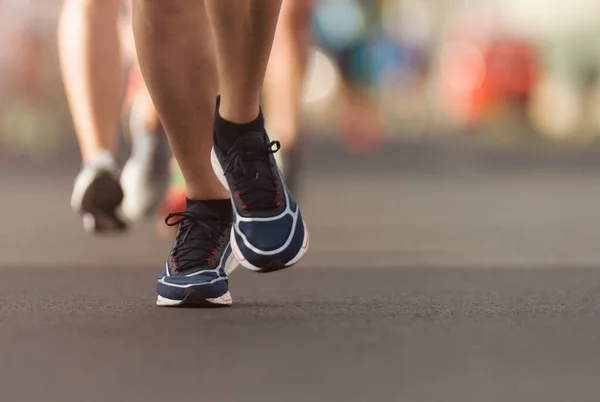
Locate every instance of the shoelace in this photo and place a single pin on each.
(255, 183)
(197, 240)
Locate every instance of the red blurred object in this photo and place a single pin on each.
(511, 69)
(501, 71)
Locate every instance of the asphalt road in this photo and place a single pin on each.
(468, 278)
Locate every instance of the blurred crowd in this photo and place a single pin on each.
(507, 70)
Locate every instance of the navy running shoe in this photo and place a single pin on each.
(200, 260)
(268, 232)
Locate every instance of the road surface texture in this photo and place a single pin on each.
(437, 273)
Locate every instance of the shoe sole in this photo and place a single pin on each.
(272, 266)
(99, 204)
(195, 299)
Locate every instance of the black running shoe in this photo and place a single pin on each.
(200, 260)
(97, 195)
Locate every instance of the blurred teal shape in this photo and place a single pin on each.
(339, 24)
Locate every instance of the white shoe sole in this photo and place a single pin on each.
(224, 300)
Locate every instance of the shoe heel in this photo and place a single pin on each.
(100, 204)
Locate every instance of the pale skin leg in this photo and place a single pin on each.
(92, 71)
(139, 91)
(286, 70)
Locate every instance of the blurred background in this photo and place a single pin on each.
(505, 71)
(430, 107)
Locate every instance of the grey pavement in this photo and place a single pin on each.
(436, 273)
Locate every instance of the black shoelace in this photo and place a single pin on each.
(197, 240)
(252, 170)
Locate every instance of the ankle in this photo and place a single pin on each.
(227, 131)
(100, 158)
(204, 192)
(238, 112)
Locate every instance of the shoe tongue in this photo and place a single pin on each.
(251, 141)
(211, 210)
(199, 208)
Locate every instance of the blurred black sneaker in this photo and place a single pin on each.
(97, 195)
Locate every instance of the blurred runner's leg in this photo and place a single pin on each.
(92, 72)
(91, 66)
(284, 82)
(145, 177)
